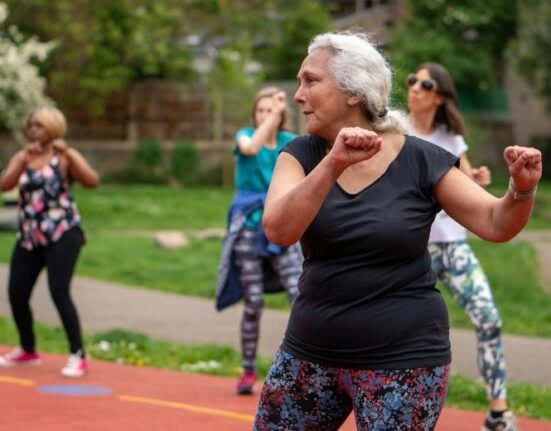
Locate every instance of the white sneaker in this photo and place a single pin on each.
(508, 422)
(19, 357)
(76, 367)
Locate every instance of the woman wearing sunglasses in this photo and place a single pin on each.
(433, 107)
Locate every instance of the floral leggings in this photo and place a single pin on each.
(458, 268)
(302, 395)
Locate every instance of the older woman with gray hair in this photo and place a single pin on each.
(369, 331)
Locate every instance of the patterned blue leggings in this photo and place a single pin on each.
(301, 395)
(458, 268)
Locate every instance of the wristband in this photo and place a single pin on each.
(521, 196)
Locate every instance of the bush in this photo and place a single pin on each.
(149, 153)
(184, 164)
(145, 168)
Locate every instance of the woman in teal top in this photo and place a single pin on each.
(252, 256)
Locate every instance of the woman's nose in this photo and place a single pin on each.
(298, 96)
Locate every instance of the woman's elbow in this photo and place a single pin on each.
(6, 186)
(91, 182)
(277, 235)
(499, 236)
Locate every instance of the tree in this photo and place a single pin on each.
(469, 37)
(21, 86)
(297, 22)
(105, 45)
(530, 52)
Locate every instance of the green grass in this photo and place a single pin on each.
(149, 207)
(132, 348)
(513, 271)
(119, 222)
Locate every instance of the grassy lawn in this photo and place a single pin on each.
(119, 222)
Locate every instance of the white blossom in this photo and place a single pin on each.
(21, 86)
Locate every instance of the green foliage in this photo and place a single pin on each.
(468, 38)
(298, 22)
(22, 87)
(145, 168)
(106, 45)
(184, 163)
(149, 153)
(530, 53)
(231, 87)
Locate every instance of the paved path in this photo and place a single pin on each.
(189, 320)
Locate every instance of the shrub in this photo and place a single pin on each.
(184, 164)
(146, 167)
(149, 153)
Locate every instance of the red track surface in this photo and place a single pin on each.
(145, 399)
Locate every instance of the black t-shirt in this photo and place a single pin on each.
(367, 292)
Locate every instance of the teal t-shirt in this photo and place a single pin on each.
(254, 173)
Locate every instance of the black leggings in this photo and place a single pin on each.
(60, 259)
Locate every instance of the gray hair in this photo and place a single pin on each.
(360, 70)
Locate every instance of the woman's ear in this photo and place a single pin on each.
(440, 99)
(353, 101)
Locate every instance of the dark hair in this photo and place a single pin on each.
(448, 113)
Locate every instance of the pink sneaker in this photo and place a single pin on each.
(19, 357)
(76, 366)
(245, 383)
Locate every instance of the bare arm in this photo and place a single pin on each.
(481, 175)
(491, 218)
(78, 167)
(10, 176)
(262, 134)
(293, 192)
(81, 170)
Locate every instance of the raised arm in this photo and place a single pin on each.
(491, 218)
(10, 176)
(265, 130)
(294, 198)
(481, 175)
(79, 168)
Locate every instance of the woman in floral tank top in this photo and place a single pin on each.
(49, 234)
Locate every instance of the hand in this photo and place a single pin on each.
(482, 176)
(279, 102)
(353, 145)
(525, 168)
(30, 150)
(60, 146)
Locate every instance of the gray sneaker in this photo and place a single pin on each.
(508, 422)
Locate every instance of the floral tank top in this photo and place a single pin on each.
(46, 206)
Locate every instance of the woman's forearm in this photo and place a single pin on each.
(81, 171)
(261, 136)
(10, 177)
(510, 215)
(288, 213)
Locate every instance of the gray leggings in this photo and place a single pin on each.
(288, 268)
(458, 268)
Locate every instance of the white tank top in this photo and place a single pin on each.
(444, 228)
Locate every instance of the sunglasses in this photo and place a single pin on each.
(426, 84)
